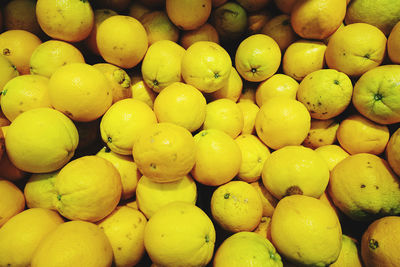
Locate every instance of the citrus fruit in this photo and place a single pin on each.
(12, 201)
(206, 32)
(230, 21)
(267, 199)
(41, 140)
(88, 188)
(280, 29)
(39, 190)
(249, 110)
(393, 46)
(164, 152)
(8, 71)
(159, 27)
(180, 234)
(188, 14)
(21, 15)
(392, 152)
(349, 254)
(332, 154)
(231, 90)
(322, 132)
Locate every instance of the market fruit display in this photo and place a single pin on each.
(190, 133)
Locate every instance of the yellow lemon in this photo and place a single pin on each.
(8, 71)
(206, 32)
(41, 140)
(188, 14)
(18, 46)
(151, 196)
(12, 201)
(370, 192)
(322, 132)
(392, 152)
(303, 57)
(39, 190)
(70, 20)
(161, 65)
(7, 168)
(119, 80)
(124, 228)
(281, 30)
(295, 170)
(376, 94)
(51, 55)
(87, 246)
(120, 48)
(127, 169)
(264, 228)
(80, 91)
(164, 152)
(180, 234)
(349, 254)
(225, 115)
(282, 121)
(257, 57)
(88, 188)
(306, 231)
(277, 85)
(326, 93)
(356, 48)
(131, 114)
(246, 249)
(393, 46)
(23, 93)
(249, 110)
(332, 154)
(181, 104)
(141, 91)
(357, 134)
(206, 65)
(218, 157)
(254, 154)
(21, 235)
(236, 206)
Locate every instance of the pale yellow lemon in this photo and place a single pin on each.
(124, 228)
(236, 206)
(257, 57)
(303, 57)
(295, 170)
(181, 104)
(164, 152)
(231, 90)
(151, 196)
(188, 14)
(364, 187)
(118, 48)
(326, 93)
(357, 134)
(180, 234)
(249, 110)
(218, 157)
(119, 80)
(349, 254)
(80, 91)
(206, 65)
(322, 132)
(282, 121)
(306, 231)
(161, 65)
(39, 190)
(12, 201)
(51, 55)
(127, 169)
(87, 246)
(134, 115)
(88, 188)
(22, 234)
(18, 46)
(159, 27)
(225, 115)
(356, 48)
(280, 29)
(254, 154)
(246, 249)
(332, 154)
(141, 91)
(41, 140)
(248, 92)
(70, 20)
(23, 93)
(277, 85)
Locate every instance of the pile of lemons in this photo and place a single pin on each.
(199, 133)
